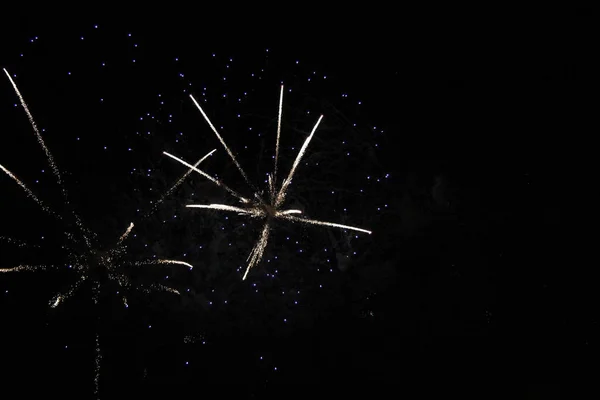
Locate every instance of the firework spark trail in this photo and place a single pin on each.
(30, 193)
(277, 144)
(97, 361)
(237, 164)
(96, 292)
(225, 207)
(158, 287)
(323, 223)
(176, 185)
(271, 187)
(288, 180)
(19, 268)
(215, 181)
(62, 296)
(35, 129)
(125, 235)
(286, 212)
(50, 158)
(259, 249)
(159, 262)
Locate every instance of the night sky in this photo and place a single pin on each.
(452, 138)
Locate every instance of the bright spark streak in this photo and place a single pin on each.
(286, 212)
(286, 183)
(125, 235)
(323, 223)
(271, 186)
(159, 262)
(278, 135)
(35, 129)
(176, 185)
(225, 207)
(30, 193)
(176, 262)
(239, 167)
(258, 250)
(61, 297)
(213, 180)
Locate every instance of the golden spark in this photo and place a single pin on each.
(259, 208)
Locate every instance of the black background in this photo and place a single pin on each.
(469, 285)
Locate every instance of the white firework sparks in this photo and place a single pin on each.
(259, 208)
(92, 264)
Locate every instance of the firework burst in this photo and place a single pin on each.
(257, 207)
(93, 264)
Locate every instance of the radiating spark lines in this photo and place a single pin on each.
(258, 208)
(92, 264)
(91, 260)
(85, 233)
